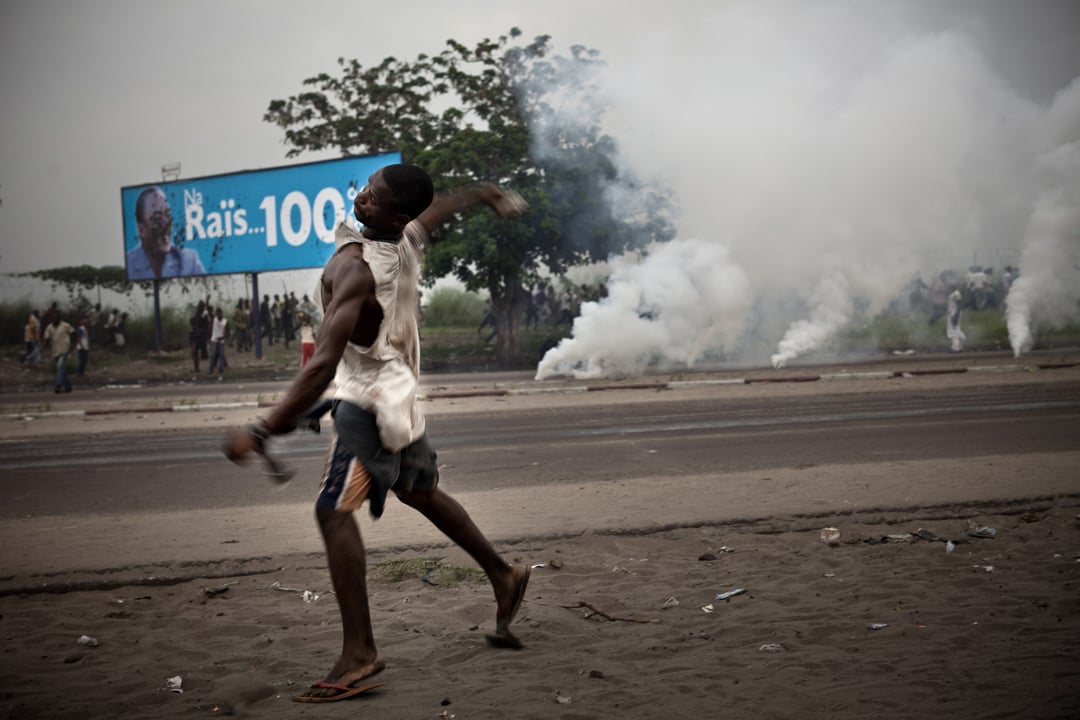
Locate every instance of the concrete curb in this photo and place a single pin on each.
(504, 392)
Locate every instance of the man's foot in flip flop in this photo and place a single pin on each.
(344, 685)
(337, 692)
(509, 598)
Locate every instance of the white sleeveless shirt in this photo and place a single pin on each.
(383, 377)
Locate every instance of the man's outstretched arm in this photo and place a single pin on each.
(507, 204)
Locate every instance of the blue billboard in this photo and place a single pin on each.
(254, 221)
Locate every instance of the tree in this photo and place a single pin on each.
(502, 112)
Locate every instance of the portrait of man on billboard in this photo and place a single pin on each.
(156, 257)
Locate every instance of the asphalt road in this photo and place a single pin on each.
(691, 434)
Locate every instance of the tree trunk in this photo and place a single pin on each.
(509, 308)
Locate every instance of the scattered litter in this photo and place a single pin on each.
(830, 575)
(707, 609)
(771, 647)
(983, 532)
(220, 590)
(597, 612)
(563, 699)
(309, 597)
(876, 626)
(538, 565)
(174, 684)
(596, 674)
(926, 535)
(88, 641)
(555, 564)
(425, 579)
(886, 539)
(730, 594)
(278, 586)
(950, 546)
(830, 536)
(987, 568)
(711, 555)
(669, 603)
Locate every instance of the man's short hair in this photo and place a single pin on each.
(140, 202)
(412, 188)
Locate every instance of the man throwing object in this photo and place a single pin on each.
(369, 346)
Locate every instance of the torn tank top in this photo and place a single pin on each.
(383, 377)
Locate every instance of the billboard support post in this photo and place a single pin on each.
(255, 315)
(157, 315)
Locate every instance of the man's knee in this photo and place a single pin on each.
(416, 498)
(330, 518)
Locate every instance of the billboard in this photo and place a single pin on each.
(254, 221)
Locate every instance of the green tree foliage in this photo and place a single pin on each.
(450, 308)
(507, 112)
(81, 278)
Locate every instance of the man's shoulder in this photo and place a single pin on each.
(416, 236)
(345, 266)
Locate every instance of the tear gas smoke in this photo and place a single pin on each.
(1049, 286)
(823, 156)
(684, 297)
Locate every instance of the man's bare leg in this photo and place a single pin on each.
(348, 571)
(509, 582)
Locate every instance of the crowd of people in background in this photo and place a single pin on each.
(49, 337)
(283, 318)
(546, 305)
(277, 320)
(951, 292)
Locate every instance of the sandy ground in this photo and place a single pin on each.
(621, 620)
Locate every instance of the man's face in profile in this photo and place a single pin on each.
(155, 226)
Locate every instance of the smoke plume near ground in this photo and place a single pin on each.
(835, 151)
(683, 298)
(1049, 288)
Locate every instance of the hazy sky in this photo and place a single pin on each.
(98, 94)
(821, 153)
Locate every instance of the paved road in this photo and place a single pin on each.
(687, 433)
(133, 495)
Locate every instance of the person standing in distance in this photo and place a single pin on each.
(58, 335)
(369, 346)
(156, 257)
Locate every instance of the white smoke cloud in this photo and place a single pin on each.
(684, 299)
(1048, 289)
(839, 149)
